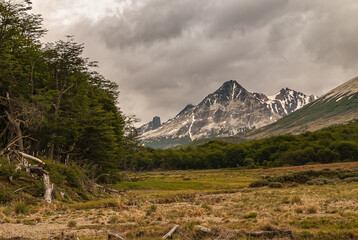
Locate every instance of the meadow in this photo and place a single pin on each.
(220, 200)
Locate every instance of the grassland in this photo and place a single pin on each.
(217, 199)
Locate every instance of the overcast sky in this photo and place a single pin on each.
(165, 54)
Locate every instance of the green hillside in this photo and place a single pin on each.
(332, 109)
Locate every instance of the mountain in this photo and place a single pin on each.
(228, 111)
(152, 125)
(285, 101)
(339, 106)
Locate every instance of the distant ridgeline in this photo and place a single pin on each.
(332, 144)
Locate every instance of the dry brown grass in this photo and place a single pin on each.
(311, 212)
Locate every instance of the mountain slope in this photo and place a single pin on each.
(286, 101)
(228, 111)
(336, 107)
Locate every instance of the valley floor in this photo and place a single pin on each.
(217, 199)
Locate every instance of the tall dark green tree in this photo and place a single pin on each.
(52, 102)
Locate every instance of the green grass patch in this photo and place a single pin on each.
(106, 203)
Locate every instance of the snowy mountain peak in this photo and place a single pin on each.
(285, 101)
(229, 87)
(186, 109)
(228, 111)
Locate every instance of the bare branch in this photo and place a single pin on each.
(32, 158)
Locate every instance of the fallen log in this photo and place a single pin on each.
(114, 236)
(268, 233)
(32, 158)
(170, 233)
(109, 190)
(203, 229)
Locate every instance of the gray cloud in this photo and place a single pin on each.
(158, 20)
(166, 54)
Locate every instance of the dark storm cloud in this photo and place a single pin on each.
(167, 53)
(159, 20)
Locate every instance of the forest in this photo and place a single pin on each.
(54, 104)
(332, 144)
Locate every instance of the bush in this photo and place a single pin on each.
(5, 195)
(151, 209)
(72, 224)
(21, 208)
(312, 209)
(275, 185)
(250, 215)
(37, 189)
(296, 200)
(321, 181)
(260, 183)
(8, 170)
(113, 220)
(351, 179)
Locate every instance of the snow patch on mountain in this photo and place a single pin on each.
(228, 111)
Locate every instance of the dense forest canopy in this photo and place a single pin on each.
(53, 104)
(333, 144)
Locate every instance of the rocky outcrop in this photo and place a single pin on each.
(152, 125)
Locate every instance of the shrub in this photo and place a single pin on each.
(8, 170)
(298, 210)
(286, 200)
(260, 183)
(21, 207)
(106, 203)
(318, 181)
(250, 215)
(312, 209)
(275, 185)
(72, 224)
(296, 200)
(37, 189)
(151, 209)
(206, 207)
(351, 179)
(5, 195)
(113, 220)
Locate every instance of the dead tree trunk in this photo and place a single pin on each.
(39, 172)
(14, 122)
(48, 187)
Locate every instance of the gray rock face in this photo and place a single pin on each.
(152, 125)
(229, 110)
(285, 101)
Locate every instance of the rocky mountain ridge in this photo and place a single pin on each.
(152, 125)
(339, 106)
(228, 111)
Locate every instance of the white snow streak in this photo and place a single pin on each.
(191, 125)
(233, 91)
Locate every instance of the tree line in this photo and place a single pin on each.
(333, 144)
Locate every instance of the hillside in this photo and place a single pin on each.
(339, 106)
